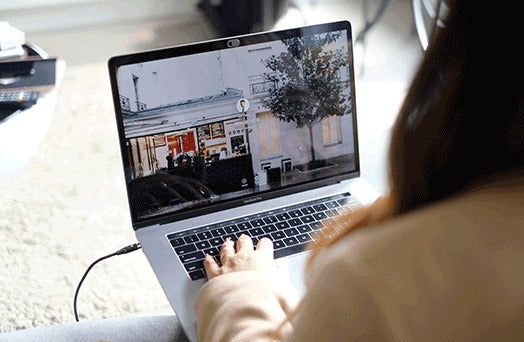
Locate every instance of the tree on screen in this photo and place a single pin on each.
(307, 86)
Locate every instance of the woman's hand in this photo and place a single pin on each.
(241, 257)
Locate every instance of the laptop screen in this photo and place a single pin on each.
(233, 121)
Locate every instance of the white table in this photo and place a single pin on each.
(22, 132)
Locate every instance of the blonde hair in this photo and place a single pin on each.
(349, 221)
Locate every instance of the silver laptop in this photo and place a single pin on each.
(253, 134)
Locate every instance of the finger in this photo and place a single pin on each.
(211, 267)
(282, 265)
(228, 248)
(244, 243)
(265, 246)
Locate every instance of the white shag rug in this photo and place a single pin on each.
(66, 208)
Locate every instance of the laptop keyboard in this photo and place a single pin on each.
(290, 228)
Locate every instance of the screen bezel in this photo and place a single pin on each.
(218, 44)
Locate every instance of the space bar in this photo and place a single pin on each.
(282, 252)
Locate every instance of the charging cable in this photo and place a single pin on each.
(125, 250)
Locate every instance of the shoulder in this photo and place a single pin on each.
(453, 259)
(473, 225)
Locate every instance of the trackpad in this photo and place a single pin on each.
(296, 264)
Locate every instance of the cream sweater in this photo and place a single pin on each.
(450, 271)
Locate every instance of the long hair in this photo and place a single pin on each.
(461, 121)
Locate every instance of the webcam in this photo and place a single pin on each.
(233, 43)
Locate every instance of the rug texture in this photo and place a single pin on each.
(66, 208)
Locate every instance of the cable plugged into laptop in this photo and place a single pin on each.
(121, 251)
(128, 249)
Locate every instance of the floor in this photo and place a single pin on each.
(67, 206)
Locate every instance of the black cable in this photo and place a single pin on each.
(125, 250)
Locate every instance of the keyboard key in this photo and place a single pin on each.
(282, 252)
(282, 225)
(218, 232)
(317, 225)
(319, 207)
(193, 266)
(307, 219)
(332, 204)
(191, 238)
(295, 213)
(256, 231)
(265, 236)
(202, 244)
(191, 257)
(233, 237)
(278, 235)
(216, 241)
(290, 241)
(343, 201)
(177, 242)
(246, 232)
(319, 216)
(185, 249)
(332, 212)
(278, 244)
(350, 207)
(212, 251)
(304, 228)
(291, 231)
(342, 209)
(307, 210)
(270, 219)
(303, 238)
(197, 275)
(244, 225)
(283, 216)
(204, 235)
(319, 233)
(294, 222)
(257, 223)
(270, 228)
(231, 229)
(172, 236)
(327, 222)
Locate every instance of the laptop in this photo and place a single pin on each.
(253, 134)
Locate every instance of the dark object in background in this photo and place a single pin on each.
(24, 78)
(274, 176)
(235, 17)
(35, 69)
(17, 99)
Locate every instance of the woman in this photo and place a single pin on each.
(441, 257)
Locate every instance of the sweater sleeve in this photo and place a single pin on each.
(245, 306)
(337, 307)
